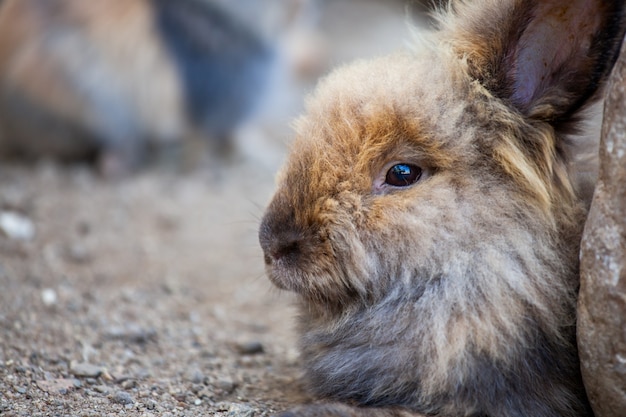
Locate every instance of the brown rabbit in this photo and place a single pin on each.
(429, 218)
(112, 79)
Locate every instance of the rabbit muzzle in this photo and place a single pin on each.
(305, 256)
(285, 246)
(281, 251)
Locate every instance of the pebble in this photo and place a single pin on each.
(85, 370)
(16, 226)
(102, 389)
(49, 297)
(195, 376)
(227, 385)
(132, 334)
(250, 348)
(240, 410)
(129, 383)
(151, 404)
(122, 397)
(205, 393)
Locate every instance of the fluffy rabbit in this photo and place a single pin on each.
(112, 77)
(429, 218)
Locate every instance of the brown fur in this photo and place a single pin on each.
(454, 296)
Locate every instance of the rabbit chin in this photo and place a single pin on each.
(282, 277)
(321, 286)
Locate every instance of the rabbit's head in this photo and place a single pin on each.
(420, 166)
(428, 202)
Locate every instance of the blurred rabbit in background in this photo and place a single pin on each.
(110, 80)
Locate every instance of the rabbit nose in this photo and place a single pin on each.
(279, 239)
(285, 248)
(281, 245)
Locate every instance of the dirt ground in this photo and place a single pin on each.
(146, 296)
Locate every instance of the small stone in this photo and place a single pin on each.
(20, 390)
(222, 406)
(106, 375)
(122, 397)
(16, 226)
(85, 370)
(129, 384)
(250, 348)
(151, 404)
(102, 389)
(132, 334)
(225, 384)
(143, 373)
(205, 393)
(240, 410)
(49, 297)
(195, 376)
(248, 361)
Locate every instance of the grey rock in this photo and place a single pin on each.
(602, 300)
(102, 389)
(122, 397)
(78, 253)
(250, 348)
(16, 226)
(240, 410)
(85, 370)
(129, 384)
(205, 393)
(195, 376)
(132, 333)
(151, 405)
(49, 297)
(225, 384)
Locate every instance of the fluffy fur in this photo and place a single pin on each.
(455, 295)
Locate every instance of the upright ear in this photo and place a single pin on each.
(547, 58)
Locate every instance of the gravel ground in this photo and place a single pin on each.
(146, 296)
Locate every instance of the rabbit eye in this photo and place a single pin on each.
(403, 175)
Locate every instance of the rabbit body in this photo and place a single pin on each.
(453, 293)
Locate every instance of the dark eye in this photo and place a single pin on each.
(403, 175)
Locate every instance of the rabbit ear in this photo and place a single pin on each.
(545, 57)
